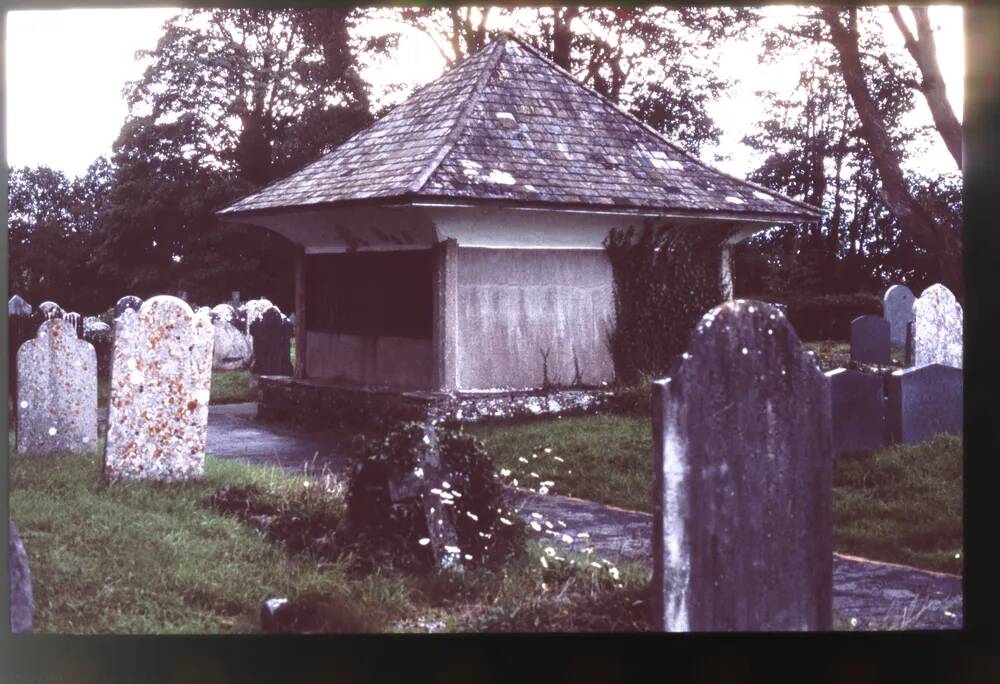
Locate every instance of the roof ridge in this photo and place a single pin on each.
(462, 120)
(649, 129)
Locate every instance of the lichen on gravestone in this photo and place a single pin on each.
(937, 328)
(160, 388)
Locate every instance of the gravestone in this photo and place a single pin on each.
(937, 328)
(897, 308)
(21, 599)
(870, 340)
(160, 385)
(743, 479)
(230, 349)
(857, 405)
(923, 402)
(56, 392)
(100, 334)
(76, 320)
(18, 307)
(51, 310)
(225, 312)
(908, 353)
(127, 302)
(272, 343)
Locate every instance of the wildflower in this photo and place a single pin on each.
(505, 472)
(468, 556)
(547, 483)
(419, 472)
(306, 484)
(545, 563)
(548, 524)
(522, 459)
(568, 539)
(596, 565)
(549, 551)
(614, 572)
(583, 535)
(536, 527)
(559, 459)
(472, 515)
(446, 485)
(505, 521)
(514, 482)
(424, 542)
(545, 587)
(548, 450)
(561, 523)
(854, 622)
(452, 549)
(534, 475)
(543, 490)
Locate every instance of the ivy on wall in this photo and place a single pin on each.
(665, 279)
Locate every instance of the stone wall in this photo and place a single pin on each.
(397, 362)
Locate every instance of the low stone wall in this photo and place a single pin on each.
(315, 404)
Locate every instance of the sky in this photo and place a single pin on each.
(66, 70)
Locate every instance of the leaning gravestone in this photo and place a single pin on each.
(56, 392)
(937, 328)
(21, 600)
(870, 340)
(857, 404)
(923, 402)
(160, 385)
(272, 344)
(127, 302)
(743, 479)
(897, 308)
(231, 350)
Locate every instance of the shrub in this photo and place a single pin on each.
(828, 317)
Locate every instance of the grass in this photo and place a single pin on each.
(901, 505)
(832, 354)
(146, 558)
(231, 387)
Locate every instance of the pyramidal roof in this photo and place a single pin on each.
(508, 125)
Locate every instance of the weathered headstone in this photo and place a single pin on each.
(857, 404)
(937, 328)
(909, 352)
(100, 334)
(18, 307)
(897, 308)
(743, 479)
(923, 402)
(76, 320)
(21, 599)
(127, 302)
(160, 385)
(51, 310)
(870, 340)
(272, 343)
(225, 312)
(231, 350)
(56, 392)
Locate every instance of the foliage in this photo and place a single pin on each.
(828, 317)
(665, 279)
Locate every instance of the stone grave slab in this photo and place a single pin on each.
(937, 328)
(857, 409)
(56, 392)
(870, 340)
(160, 387)
(743, 479)
(897, 308)
(922, 402)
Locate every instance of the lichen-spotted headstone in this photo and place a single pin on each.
(51, 310)
(743, 479)
(127, 302)
(231, 349)
(870, 340)
(272, 340)
(21, 599)
(56, 392)
(160, 383)
(937, 328)
(897, 308)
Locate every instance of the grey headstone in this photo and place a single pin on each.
(870, 340)
(923, 402)
(272, 344)
(76, 320)
(231, 350)
(94, 326)
(160, 386)
(937, 328)
(858, 410)
(743, 479)
(223, 312)
(21, 599)
(51, 310)
(897, 308)
(18, 307)
(127, 302)
(56, 392)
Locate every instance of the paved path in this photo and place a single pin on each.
(873, 593)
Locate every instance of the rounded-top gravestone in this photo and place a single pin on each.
(272, 339)
(224, 312)
(897, 308)
(160, 388)
(127, 302)
(18, 307)
(51, 310)
(937, 328)
(743, 479)
(870, 340)
(231, 349)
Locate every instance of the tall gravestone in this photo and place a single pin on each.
(923, 402)
(22, 324)
(743, 479)
(251, 312)
(21, 599)
(937, 328)
(56, 392)
(272, 344)
(857, 405)
(160, 385)
(231, 349)
(870, 340)
(897, 308)
(125, 303)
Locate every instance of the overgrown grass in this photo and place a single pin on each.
(832, 354)
(901, 505)
(231, 387)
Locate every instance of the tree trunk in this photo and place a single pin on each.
(913, 218)
(924, 52)
(562, 35)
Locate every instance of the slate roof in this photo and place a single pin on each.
(508, 125)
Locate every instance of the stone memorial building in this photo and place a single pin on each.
(457, 242)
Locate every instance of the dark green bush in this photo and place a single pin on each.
(828, 317)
